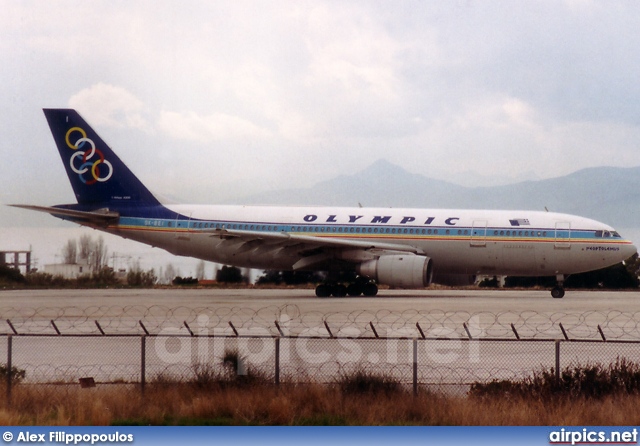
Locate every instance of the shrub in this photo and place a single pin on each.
(579, 381)
(140, 278)
(10, 275)
(17, 375)
(365, 381)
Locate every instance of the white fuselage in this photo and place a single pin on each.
(527, 243)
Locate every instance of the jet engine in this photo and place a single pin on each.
(402, 271)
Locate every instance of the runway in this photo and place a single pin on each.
(474, 300)
(492, 312)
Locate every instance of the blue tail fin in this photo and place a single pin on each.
(96, 174)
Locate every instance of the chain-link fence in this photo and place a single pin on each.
(137, 346)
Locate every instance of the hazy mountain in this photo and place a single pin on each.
(608, 194)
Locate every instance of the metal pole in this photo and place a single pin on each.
(277, 380)
(9, 367)
(558, 362)
(143, 362)
(415, 367)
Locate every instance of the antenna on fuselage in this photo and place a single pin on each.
(545, 208)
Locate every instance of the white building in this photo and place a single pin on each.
(67, 270)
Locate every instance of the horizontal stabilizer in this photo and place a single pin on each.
(95, 218)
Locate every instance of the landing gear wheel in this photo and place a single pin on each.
(354, 290)
(557, 292)
(339, 290)
(370, 289)
(323, 290)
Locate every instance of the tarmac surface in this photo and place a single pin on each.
(463, 335)
(472, 300)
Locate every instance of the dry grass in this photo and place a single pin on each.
(306, 404)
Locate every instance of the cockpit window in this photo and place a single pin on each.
(607, 234)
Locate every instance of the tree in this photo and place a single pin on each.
(297, 277)
(200, 270)
(170, 273)
(137, 277)
(70, 252)
(84, 243)
(100, 254)
(94, 253)
(229, 274)
(12, 275)
(632, 265)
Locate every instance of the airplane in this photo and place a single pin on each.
(398, 247)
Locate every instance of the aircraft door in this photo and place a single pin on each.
(182, 228)
(563, 235)
(479, 233)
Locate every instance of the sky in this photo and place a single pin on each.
(214, 100)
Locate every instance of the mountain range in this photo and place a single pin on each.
(607, 194)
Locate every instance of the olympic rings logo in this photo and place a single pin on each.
(87, 162)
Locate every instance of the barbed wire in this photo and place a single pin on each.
(290, 320)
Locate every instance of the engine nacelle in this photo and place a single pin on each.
(403, 271)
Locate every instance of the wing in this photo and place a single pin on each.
(99, 218)
(313, 251)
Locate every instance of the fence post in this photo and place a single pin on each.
(143, 362)
(277, 378)
(557, 362)
(415, 367)
(9, 367)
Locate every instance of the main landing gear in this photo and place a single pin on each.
(360, 287)
(557, 292)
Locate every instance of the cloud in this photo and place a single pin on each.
(215, 127)
(110, 106)
(306, 90)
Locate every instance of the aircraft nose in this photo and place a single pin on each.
(628, 250)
